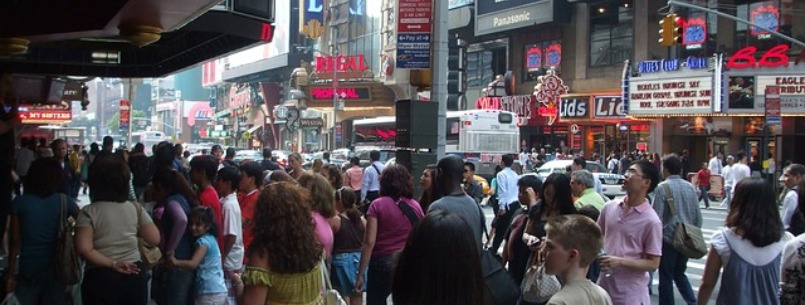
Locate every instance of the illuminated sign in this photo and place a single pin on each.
(522, 105)
(347, 66)
(359, 93)
(608, 107)
(670, 65)
(745, 58)
(574, 107)
(682, 95)
(45, 116)
(533, 56)
(267, 32)
(695, 31)
(125, 113)
(767, 16)
(548, 92)
(312, 21)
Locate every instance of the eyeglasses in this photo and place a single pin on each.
(631, 172)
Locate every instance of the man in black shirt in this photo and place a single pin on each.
(268, 163)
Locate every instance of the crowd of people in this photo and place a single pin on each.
(260, 233)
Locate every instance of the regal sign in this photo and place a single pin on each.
(346, 66)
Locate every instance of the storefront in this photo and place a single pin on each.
(594, 124)
(745, 101)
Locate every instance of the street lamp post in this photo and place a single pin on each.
(336, 97)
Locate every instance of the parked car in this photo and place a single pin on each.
(245, 156)
(611, 184)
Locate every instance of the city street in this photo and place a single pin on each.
(712, 221)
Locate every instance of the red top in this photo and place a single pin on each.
(209, 198)
(704, 177)
(248, 204)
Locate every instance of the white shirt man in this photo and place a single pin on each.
(740, 171)
(715, 164)
(729, 178)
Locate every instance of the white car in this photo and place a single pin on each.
(611, 184)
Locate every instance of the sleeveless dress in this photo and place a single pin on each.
(743, 283)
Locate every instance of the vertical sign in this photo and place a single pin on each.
(312, 21)
(773, 105)
(125, 114)
(414, 33)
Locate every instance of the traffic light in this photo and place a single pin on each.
(678, 30)
(457, 75)
(666, 30)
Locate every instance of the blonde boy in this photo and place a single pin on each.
(571, 244)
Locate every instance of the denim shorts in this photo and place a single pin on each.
(345, 272)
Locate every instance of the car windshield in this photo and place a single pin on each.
(596, 168)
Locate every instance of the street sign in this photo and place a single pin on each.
(773, 105)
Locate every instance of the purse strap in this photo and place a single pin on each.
(62, 213)
(409, 213)
(669, 199)
(325, 275)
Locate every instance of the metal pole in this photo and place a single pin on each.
(439, 68)
(131, 114)
(736, 19)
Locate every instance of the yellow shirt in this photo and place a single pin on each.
(287, 289)
(75, 162)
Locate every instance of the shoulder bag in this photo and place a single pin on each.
(688, 238)
(329, 295)
(408, 211)
(537, 286)
(150, 255)
(500, 284)
(68, 262)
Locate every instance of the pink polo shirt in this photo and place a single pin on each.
(633, 235)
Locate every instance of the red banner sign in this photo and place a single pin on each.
(415, 16)
(125, 113)
(745, 58)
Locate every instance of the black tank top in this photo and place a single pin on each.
(349, 238)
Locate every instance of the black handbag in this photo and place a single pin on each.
(500, 284)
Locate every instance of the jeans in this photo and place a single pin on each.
(174, 286)
(107, 286)
(703, 195)
(378, 285)
(41, 288)
(672, 270)
(728, 191)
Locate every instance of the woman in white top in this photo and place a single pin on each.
(749, 249)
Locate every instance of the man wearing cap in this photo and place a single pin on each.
(729, 178)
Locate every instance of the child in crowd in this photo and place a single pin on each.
(232, 252)
(571, 244)
(349, 229)
(206, 260)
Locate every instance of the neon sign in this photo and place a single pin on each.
(548, 92)
(534, 58)
(553, 55)
(745, 58)
(345, 93)
(669, 65)
(695, 31)
(766, 16)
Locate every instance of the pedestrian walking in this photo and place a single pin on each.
(703, 181)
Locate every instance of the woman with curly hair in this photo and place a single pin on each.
(322, 207)
(332, 173)
(284, 262)
(387, 229)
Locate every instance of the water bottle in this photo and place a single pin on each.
(606, 271)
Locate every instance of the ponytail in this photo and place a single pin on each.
(348, 200)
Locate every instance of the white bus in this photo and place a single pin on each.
(148, 138)
(483, 135)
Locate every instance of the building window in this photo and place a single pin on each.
(485, 61)
(611, 32)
